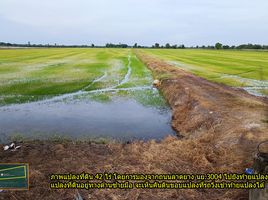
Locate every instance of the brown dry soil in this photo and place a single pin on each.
(220, 125)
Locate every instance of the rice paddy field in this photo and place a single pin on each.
(34, 74)
(245, 69)
(79, 93)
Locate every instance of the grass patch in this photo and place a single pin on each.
(102, 97)
(150, 98)
(17, 137)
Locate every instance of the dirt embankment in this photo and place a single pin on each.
(221, 127)
(228, 117)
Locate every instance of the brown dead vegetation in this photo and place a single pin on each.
(168, 156)
(221, 128)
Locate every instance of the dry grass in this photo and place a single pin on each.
(168, 156)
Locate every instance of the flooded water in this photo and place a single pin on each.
(130, 113)
(121, 118)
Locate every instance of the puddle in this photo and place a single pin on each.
(121, 118)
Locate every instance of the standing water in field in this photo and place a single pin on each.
(123, 119)
(124, 111)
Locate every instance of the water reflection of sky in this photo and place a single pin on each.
(121, 118)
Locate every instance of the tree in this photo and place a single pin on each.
(135, 45)
(182, 46)
(218, 45)
(167, 45)
(156, 45)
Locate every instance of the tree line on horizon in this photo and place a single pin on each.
(155, 46)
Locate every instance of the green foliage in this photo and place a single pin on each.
(218, 45)
(100, 97)
(167, 46)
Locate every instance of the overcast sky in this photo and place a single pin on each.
(190, 22)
